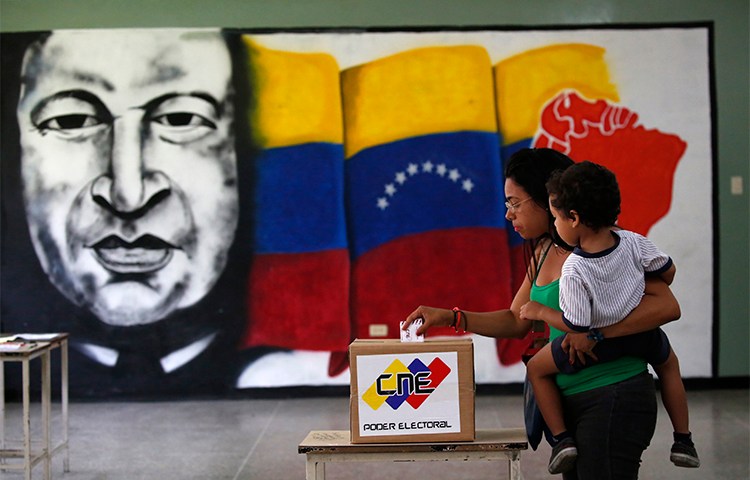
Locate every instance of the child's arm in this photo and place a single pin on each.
(537, 311)
(668, 275)
(651, 254)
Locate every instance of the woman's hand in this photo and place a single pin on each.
(432, 317)
(578, 346)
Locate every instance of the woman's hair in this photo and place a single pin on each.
(531, 168)
(589, 189)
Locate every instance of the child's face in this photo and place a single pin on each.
(564, 225)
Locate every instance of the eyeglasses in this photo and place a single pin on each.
(512, 207)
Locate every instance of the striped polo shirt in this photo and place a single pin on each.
(600, 289)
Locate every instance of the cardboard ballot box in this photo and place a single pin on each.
(411, 391)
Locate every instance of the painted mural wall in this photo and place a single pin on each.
(211, 211)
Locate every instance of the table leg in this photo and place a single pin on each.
(315, 470)
(2, 408)
(46, 411)
(64, 401)
(514, 466)
(26, 421)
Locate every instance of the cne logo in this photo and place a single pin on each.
(399, 384)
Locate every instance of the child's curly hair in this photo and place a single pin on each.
(589, 189)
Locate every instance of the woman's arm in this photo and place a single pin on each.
(497, 324)
(658, 307)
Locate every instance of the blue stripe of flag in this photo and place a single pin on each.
(299, 199)
(421, 184)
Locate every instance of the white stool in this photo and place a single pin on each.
(36, 346)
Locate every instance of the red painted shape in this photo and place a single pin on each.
(644, 160)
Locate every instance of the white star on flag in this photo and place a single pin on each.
(412, 170)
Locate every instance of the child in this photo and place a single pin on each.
(602, 281)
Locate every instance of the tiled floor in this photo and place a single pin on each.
(257, 439)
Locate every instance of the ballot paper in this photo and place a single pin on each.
(410, 334)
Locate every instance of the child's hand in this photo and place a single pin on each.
(532, 311)
(578, 346)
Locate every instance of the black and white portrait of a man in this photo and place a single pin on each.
(129, 183)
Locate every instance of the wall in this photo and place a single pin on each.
(731, 44)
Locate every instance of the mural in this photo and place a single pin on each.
(210, 211)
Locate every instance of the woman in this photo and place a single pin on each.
(610, 408)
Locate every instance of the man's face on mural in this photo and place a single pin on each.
(129, 167)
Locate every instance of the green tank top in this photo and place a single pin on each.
(594, 376)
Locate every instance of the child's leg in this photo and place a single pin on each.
(541, 371)
(673, 393)
(683, 453)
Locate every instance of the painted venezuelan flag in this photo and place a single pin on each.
(301, 262)
(424, 187)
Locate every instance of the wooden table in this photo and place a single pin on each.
(35, 346)
(325, 446)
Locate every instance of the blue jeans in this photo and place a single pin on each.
(612, 426)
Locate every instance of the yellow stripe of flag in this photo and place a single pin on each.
(418, 92)
(297, 97)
